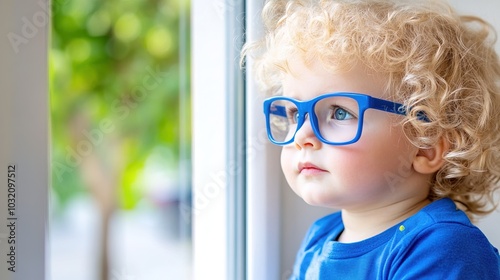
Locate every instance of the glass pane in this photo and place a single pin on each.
(120, 193)
(338, 118)
(283, 117)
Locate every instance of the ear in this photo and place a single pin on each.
(430, 160)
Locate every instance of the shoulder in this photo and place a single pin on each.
(328, 221)
(323, 228)
(319, 232)
(441, 241)
(441, 220)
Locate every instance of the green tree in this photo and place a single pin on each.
(114, 96)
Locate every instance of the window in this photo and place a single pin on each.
(120, 140)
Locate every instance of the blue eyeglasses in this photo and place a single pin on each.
(336, 118)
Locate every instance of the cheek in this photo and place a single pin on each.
(286, 162)
(351, 167)
(387, 151)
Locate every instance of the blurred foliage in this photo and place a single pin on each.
(113, 64)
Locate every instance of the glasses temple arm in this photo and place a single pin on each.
(278, 110)
(387, 106)
(396, 108)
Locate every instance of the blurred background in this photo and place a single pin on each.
(120, 107)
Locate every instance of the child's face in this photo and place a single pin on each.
(353, 176)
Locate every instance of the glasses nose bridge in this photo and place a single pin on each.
(306, 111)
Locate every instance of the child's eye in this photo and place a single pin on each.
(292, 114)
(339, 113)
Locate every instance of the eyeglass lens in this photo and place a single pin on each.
(337, 119)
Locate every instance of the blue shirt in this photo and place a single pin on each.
(438, 242)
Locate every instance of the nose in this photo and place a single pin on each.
(305, 137)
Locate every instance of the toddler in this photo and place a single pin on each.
(390, 112)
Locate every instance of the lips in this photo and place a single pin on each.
(309, 168)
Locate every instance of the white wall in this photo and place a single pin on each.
(488, 10)
(24, 136)
(297, 215)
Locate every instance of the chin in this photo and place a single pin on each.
(315, 201)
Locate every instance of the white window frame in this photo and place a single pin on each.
(217, 168)
(263, 174)
(235, 215)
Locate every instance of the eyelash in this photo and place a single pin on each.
(334, 108)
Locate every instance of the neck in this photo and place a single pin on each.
(363, 224)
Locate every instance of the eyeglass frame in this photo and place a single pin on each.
(307, 108)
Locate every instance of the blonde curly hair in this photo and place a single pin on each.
(438, 63)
